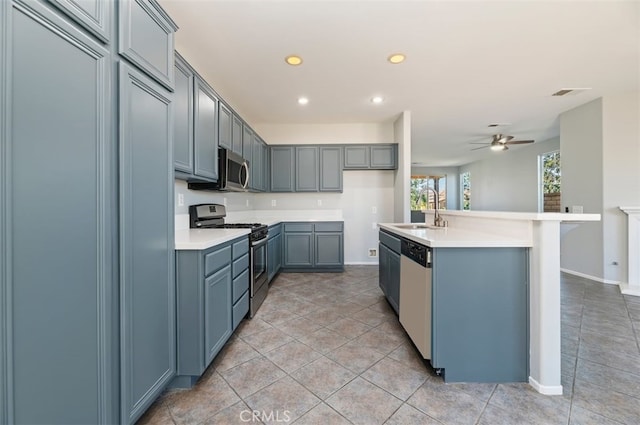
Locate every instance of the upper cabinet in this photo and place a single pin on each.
(183, 117)
(236, 135)
(371, 157)
(151, 45)
(205, 131)
(224, 127)
(282, 172)
(93, 15)
(330, 168)
(307, 169)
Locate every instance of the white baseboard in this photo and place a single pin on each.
(587, 276)
(627, 289)
(360, 263)
(545, 389)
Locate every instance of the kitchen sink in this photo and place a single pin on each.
(417, 226)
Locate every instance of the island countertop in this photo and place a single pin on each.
(451, 237)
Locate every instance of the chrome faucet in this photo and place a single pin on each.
(438, 221)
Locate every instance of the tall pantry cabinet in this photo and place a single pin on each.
(87, 319)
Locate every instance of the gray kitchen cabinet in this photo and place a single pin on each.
(247, 138)
(282, 168)
(480, 314)
(236, 135)
(313, 246)
(389, 268)
(257, 175)
(58, 285)
(212, 299)
(274, 251)
(306, 166)
(330, 169)
(205, 132)
(147, 38)
(147, 281)
(224, 127)
(264, 187)
(183, 117)
(371, 157)
(94, 15)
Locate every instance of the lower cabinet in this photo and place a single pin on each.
(313, 246)
(389, 269)
(212, 299)
(274, 251)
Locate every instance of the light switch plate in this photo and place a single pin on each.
(273, 202)
(374, 210)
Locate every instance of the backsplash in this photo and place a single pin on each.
(234, 201)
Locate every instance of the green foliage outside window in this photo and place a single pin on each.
(551, 172)
(466, 190)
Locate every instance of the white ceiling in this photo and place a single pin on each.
(469, 63)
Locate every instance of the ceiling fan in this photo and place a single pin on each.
(499, 142)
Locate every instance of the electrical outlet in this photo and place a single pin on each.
(181, 199)
(373, 252)
(374, 226)
(577, 209)
(247, 202)
(273, 202)
(319, 202)
(374, 210)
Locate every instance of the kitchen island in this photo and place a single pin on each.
(539, 233)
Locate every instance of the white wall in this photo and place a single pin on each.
(453, 182)
(581, 164)
(402, 185)
(237, 201)
(362, 190)
(508, 180)
(621, 178)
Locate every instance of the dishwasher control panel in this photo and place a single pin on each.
(416, 252)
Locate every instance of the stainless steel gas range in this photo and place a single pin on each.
(211, 216)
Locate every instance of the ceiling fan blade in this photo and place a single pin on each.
(479, 143)
(519, 142)
(481, 147)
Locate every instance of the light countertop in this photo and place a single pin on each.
(528, 216)
(197, 239)
(450, 237)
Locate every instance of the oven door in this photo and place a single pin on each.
(258, 265)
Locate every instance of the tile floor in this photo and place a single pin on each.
(327, 349)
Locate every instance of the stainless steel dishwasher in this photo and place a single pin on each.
(415, 294)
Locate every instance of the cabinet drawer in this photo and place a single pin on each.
(390, 241)
(240, 309)
(275, 230)
(240, 265)
(216, 260)
(240, 285)
(240, 248)
(329, 227)
(298, 227)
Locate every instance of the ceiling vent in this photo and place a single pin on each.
(564, 92)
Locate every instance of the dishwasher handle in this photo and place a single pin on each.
(416, 252)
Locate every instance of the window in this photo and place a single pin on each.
(426, 199)
(549, 196)
(465, 190)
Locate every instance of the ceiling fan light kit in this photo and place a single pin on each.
(499, 142)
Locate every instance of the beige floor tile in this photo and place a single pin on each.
(409, 355)
(299, 327)
(361, 402)
(322, 415)
(369, 317)
(394, 377)
(522, 399)
(610, 404)
(239, 413)
(355, 356)
(381, 341)
(235, 352)
(158, 414)
(252, 376)
(408, 415)
(324, 340)
(292, 356)
(267, 340)
(323, 316)
(283, 401)
(349, 328)
(251, 326)
(581, 416)
(323, 377)
(446, 404)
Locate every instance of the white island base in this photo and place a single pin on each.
(542, 231)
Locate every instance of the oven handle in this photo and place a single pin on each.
(258, 243)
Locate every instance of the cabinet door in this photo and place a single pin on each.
(265, 166)
(94, 15)
(384, 157)
(146, 38)
(306, 169)
(217, 312)
(236, 135)
(271, 258)
(282, 160)
(298, 249)
(383, 269)
(356, 156)
(247, 137)
(183, 117)
(57, 177)
(330, 169)
(393, 281)
(256, 156)
(328, 249)
(147, 285)
(278, 252)
(206, 132)
(224, 127)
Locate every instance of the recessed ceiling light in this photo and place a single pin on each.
(293, 60)
(396, 58)
(377, 100)
(303, 100)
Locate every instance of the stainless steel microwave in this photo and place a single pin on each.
(233, 174)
